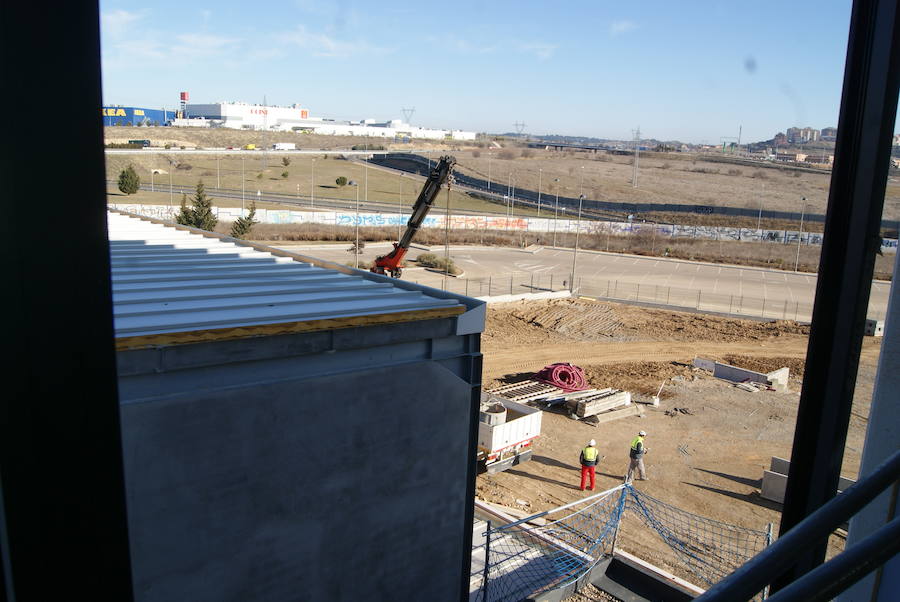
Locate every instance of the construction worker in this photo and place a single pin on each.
(589, 458)
(637, 458)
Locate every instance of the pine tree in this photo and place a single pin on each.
(184, 216)
(129, 180)
(242, 225)
(200, 214)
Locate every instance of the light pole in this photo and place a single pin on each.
(258, 195)
(575, 250)
(540, 180)
(759, 218)
(512, 202)
(581, 191)
(152, 171)
(170, 185)
(356, 248)
(490, 156)
(218, 183)
(400, 205)
(242, 185)
(556, 211)
(800, 236)
(312, 187)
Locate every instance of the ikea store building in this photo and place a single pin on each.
(136, 116)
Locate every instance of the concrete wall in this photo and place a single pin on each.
(774, 481)
(323, 466)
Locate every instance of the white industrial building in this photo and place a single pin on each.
(245, 116)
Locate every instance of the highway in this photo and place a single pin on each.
(746, 291)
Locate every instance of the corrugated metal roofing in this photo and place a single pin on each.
(167, 280)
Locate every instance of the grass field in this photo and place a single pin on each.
(263, 172)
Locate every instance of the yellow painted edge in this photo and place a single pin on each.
(242, 332)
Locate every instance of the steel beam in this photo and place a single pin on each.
(851, 240)
(63, 528)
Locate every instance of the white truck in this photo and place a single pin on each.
(284, 146)
(506, 432)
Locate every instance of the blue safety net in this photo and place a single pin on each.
(518, 560)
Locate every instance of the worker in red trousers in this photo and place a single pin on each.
(589, 458)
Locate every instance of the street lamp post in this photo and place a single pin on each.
(312, 187)
(540, 180)
(759, 217)
(242, 185)
(581, 192)
(170, 184)
(800, 236)
(400, 205)
(218, 183)
(152, 171)
(575, 251)
(489, 171)
(356, 248)
(556, 211)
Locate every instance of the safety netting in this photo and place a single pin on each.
(517, 560)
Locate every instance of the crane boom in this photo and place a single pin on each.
(391, 262)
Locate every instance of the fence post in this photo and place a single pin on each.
(796, 307)
(490, 278)
(551, 283)
(467, 287)
(532, 281)
(698, 299)
(510, 284)
(784, 314)
(730, 301)
(637, 296)
(615, 287)
(668, 290)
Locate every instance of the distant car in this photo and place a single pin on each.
(229, 148)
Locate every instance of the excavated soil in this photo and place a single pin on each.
(708, 441)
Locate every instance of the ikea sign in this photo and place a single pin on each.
(112, 112)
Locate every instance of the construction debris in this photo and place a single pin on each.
(747, 387)
(599, 401)
(777, 380)
(677, 411)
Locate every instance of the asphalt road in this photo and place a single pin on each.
(711, 287)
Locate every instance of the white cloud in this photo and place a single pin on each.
(324, 45)
(618, 28)
(117, 22)
(542, 51)
(203, 44)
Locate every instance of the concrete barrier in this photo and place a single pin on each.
(526, 297)
(774, 481)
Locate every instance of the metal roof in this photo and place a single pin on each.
(171, 280)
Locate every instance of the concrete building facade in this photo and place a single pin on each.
(291, 429)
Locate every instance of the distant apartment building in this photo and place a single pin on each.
(829, 134)
(800, 135)
(780, 139)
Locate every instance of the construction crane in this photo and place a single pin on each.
(390, 263)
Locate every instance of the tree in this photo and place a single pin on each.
(259, 176)
(285, 174)
(242, 225)
(129, 180)
(356, 250)
(285, 161)
(200, 214)
(341, 181)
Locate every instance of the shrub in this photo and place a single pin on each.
(526, 153)
(430, 260)
(285, 161)
(129, 180)
(285, 175)
(184, 166)
(507, 154)
(259, 176)
(341, 181)
(735, 172)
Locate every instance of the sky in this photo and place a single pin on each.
(695, 71)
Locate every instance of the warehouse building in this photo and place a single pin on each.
(116, 115)
(240, 115)
(291, 429)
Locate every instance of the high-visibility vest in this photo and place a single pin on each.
(635, 442)
(589, 453)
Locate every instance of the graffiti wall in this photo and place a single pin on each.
(522, 224)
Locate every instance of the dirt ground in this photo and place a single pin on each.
(707, 460)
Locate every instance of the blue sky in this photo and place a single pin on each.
(690, 70)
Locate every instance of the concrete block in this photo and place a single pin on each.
(735, 374)
(780, 465)
(773, 486)
(704, 364)
(875, 328)
(779, 379)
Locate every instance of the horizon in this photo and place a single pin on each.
(695, 74)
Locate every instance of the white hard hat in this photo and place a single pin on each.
(592, 443)
(642, 434)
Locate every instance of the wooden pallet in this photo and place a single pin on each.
(602, 401)
(525, 391)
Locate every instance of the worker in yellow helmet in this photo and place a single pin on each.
(589, 458)
(637, 458)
